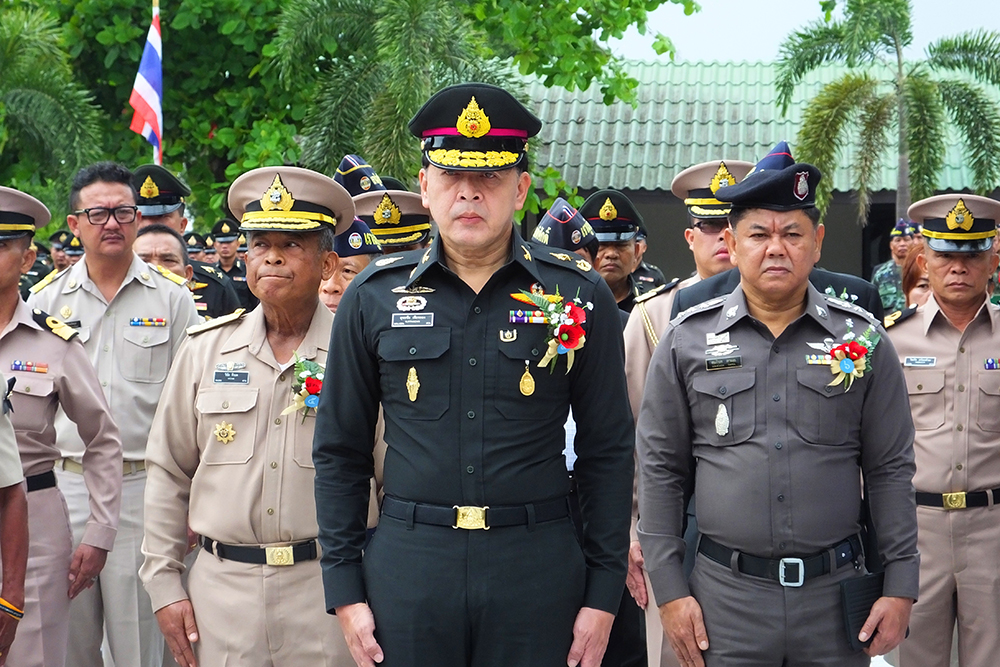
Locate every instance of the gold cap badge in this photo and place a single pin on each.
(192, 241)
(473, 122)
(387, 213)
(960, 216)
(608, 210)
(722, 178)
(149, 189)
(75, 242)
(276, 197)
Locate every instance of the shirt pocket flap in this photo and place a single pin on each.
(212, 402)
(924, 382)
(722, 385)
(402, 345)
(33, 387)
(146, 336)
(818, 379)
(523, 349)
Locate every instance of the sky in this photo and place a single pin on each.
(734, 30)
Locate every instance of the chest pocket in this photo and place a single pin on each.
(32, 402)
(227, 415)
(145, 354)
(415, 362)
(989, 401)
(823, 414)
(926, 390)
(550, 391)
(734, 391)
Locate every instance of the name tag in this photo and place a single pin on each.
(919, 362)
(725, 362)
(232, 377)
(413, 319)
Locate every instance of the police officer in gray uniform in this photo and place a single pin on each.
(780, 394)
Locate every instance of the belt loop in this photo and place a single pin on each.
(734, 563)
(213, 548)
(831, 557)
(990, 500)
(411, 509)
(530, 509)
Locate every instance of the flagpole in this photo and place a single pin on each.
(147, 91)
(158, 153)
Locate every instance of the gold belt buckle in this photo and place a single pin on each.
(471, 518)
(279, 556)
(954, 501)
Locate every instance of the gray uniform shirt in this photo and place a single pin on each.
(778, 465)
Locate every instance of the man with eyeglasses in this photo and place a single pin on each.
(131, 320)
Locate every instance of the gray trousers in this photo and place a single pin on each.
(754, 622)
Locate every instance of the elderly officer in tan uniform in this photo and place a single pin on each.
(231, 447)
(13, 532)
(696, 187)
(51, 370)
(949, 348)
(780, 394)
(131, 320)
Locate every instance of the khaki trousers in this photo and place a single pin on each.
(117, 603)
(43, 633)
(959, 582)
(263, 616)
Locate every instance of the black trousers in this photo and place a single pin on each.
(457, 598)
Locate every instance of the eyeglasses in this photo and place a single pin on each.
(711, 226)
(99, 215)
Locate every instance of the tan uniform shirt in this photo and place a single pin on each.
(10, 462)
(131, 361)
(954, 397)
(69, 381)
(256, 489)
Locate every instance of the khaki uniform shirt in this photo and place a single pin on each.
(68, 381)
(778, 450)
(131, 361)
(256, 489)
(954, 396)
(10, 462)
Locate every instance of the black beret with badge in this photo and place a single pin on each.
(160, 192)
(696, 186)
(395, 217)
(289, 199)
(957, 222)
(357, 176)
(226, 230)
(562, 226)
(20, 214)
(776, 183)
(474, 127)
(357, 240)
(612, 215)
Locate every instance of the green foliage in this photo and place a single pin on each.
(976, 53)
(978, 119)
(551, 182)
(925, 132)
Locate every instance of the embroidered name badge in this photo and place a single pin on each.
(724, 362)
(232, 377)
(717, 339)
(919, 362)
(148, 322)
(413, 319)
(29, 366)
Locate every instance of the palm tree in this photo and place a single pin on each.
(370, 65)
(882, 92)
(47, 120)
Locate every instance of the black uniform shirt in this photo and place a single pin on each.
(214, 294)
(238, 274)
(471, 437)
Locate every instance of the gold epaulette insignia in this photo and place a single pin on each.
(169, 275)
(47, 280)
(55, 325)
(234, 316)
(895, 318)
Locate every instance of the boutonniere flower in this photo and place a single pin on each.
(306, 387)
(849, 360)
(564, 319)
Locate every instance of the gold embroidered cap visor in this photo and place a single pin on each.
(957, 222)
(20, 214)
(395, 217)
(696, 186)
(289, 199)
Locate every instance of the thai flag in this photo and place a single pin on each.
(147, 91)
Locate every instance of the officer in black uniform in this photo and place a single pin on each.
(648, 275)
(73, 250)
(161, 201)
(195, 245)
(475, 560)
(617, 224)
(225, 236)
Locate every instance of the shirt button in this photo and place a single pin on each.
(274, 465)
(962, 350)
(270, 510)
(828, 389)
(472, 361)
(958, 467)
(776, 398)
(225, 404)
(470, 470)
(413, 350)
(781, 498)
(722, 390)
(477, 310)
(920, 387)
(281, 378)
(781, 545)
(961, 428)
(27, 390)
(145, 339)
(104, 384)
(776, 349)
(277, 421)
(961, 387)
(534, 353)
(777, 445)
(471, 414)
(107, 347)
(108, 313)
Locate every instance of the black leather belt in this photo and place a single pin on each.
(960, 500)
(288, 554)
(475, 518)
(788, 571)
(45, 480)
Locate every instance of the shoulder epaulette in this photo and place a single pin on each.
(897, 317)
(700, 308)
(850, 307)
(47, 280)
(169, 275)
(234, 316)
(662, 289)
(53, 324)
